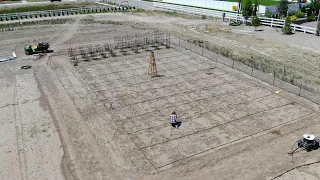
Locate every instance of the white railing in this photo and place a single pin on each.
(272, 22)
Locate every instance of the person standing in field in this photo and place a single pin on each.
(173, 120)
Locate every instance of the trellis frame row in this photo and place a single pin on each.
(121, 44)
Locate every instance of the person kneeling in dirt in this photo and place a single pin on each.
(173, 120)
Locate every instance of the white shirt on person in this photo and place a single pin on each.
(173, 118)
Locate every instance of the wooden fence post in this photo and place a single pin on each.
(318, 25)
(274, 77)
(300, 89)
(251, 69)
(202, 50)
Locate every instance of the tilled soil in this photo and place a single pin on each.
(107, 119)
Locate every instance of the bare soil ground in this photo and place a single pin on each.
(297, 53)
(107, 119)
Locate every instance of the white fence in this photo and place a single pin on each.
(272, 22)
(212, 4)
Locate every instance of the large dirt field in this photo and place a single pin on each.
(108, 119)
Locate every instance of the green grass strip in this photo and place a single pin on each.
(41, 7)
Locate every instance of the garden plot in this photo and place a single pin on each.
(108, 119)
(216, 108)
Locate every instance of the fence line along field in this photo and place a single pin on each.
(215, 107)
(90, 110)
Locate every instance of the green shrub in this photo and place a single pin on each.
(290, 13)
(111, 3)
(287, 27)
(255, 22)
(268, 13)
(235, 23)
(291, 80)
(225, 51)
(170, 12)
(247, 9)
(203, 17)
(303, 9)
(300, 14)
(140, 10)
(311, 18)
(283, 8)
(314, 7)
(292, 18)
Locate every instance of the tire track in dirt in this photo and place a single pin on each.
(69, 165)
(83, 158)
(78, 163)
(70, 31)
(71, 169)
(19, 138)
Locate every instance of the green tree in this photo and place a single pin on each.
(255, 22)
(283, 8)
(287, 27)
(268, 13)
(255, 9)
(247, 9)
(315, 6)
